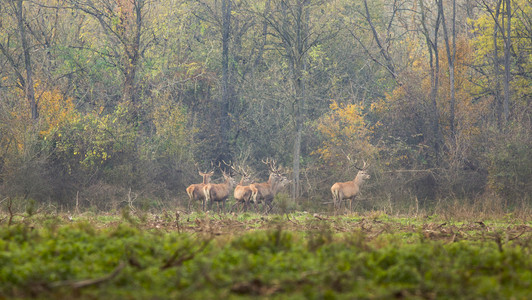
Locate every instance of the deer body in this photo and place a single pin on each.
(218, 192)
(243, 192)
(195, 191)
(266, 191)
(349, 189)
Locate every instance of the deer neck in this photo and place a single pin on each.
(271, 179)
(359, 179)
(275, 186)
(228, 183)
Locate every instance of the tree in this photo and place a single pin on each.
(296, 28)
(25, 75)
(123, 23)
(507, 60)
(451, 58)
(434, 63)
(227, 84)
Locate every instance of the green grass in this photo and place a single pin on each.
(296, 256)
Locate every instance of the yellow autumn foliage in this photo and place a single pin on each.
(55, 110)
(483, 29)
(344, 132)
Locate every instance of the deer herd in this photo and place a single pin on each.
(247, 192)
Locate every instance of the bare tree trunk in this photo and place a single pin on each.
(434, 62)
(298, 69)
(226, 85)
(389, 65)
(260, 53)
(496, 65)
(451, 56)
(507, 60)
(29, 89)
(131, 22)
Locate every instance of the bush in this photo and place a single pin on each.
(510, 164)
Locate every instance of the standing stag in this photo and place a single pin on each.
(266, 191)
(218, 192)
(195, 191)
(242, 191)
(349, 189)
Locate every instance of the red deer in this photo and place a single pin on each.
(266, 191)
(242, 191)
(349, 189)
(218, 192)
(195, 191)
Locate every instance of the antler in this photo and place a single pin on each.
(271, 164)
(243, 172)
(207, 172)
(364, 167)
(231, 167)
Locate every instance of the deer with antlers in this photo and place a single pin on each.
(266, 191)
(195, 191)
(219, 192)
(349, 189)
(242, 191)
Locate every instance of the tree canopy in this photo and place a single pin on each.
(103, 98)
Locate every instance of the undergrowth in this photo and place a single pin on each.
(300, 255)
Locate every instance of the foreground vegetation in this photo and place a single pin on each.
(300, 255)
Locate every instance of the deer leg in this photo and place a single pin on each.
(233, 207)
(188, 205)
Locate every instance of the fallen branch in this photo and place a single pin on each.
(518, 236)
(320, 217)
(88, 282)
(288, 217)
(177, 260)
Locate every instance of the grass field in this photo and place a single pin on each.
(295, 256)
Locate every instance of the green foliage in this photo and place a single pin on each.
(49, 261)
(95, 138)
(510, 164)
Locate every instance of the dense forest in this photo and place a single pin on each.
(110, 102)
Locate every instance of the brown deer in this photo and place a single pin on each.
(195, 191)
(218, 192)
(242, 191)
(349, 189)
(266, 191)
